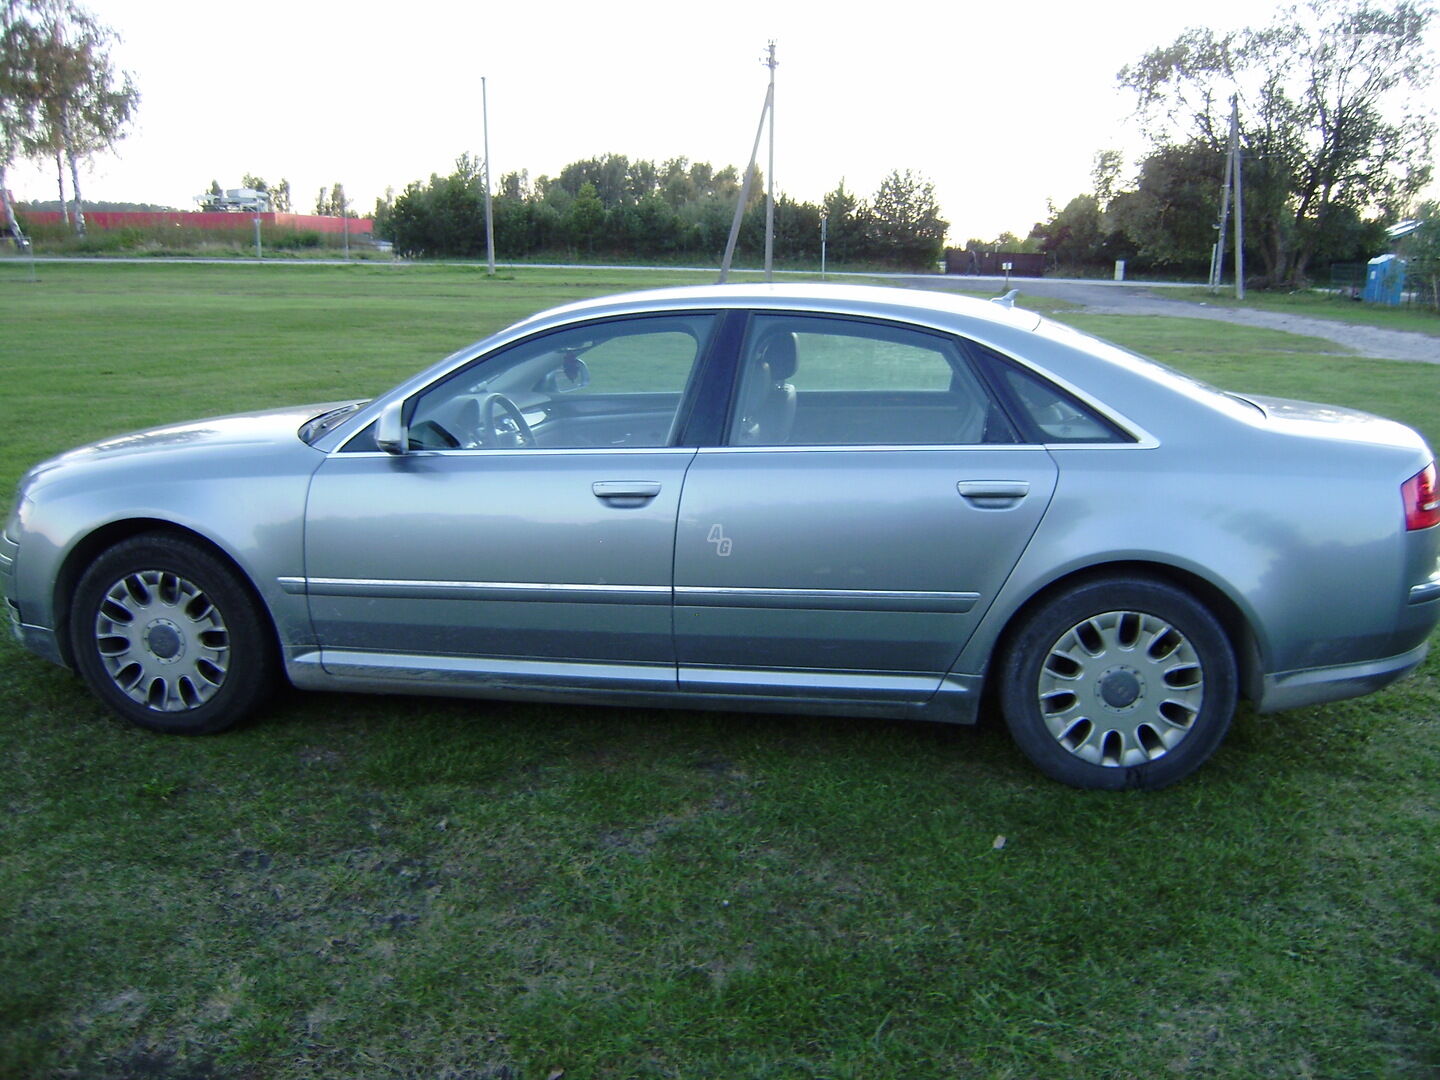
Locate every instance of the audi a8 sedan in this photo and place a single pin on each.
(818, 499)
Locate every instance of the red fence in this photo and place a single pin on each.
(130, 219)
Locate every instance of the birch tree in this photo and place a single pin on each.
(1332, 125)
(86, 103)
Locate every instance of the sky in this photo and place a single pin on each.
(1001, 106)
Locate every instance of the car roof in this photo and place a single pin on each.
(915, 305)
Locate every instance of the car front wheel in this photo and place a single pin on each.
(166, 634)
(1119, 684)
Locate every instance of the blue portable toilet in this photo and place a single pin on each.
(1385, 280)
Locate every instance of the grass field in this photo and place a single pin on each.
(398, 888)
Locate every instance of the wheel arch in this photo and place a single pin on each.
(1232, 618)
(90, 547)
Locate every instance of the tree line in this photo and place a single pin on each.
(1334, 146)
(612, 205)
(61, 97)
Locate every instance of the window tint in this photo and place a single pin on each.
(607, 384)
(808, 381)
(1056, 416)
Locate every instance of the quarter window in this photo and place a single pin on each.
(1056, 416)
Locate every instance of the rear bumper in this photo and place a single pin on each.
(1312, 686)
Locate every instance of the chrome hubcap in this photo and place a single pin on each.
(1121, 688)
(162, 641)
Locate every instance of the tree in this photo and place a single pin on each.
(1422, 250)
(905, 223)
(1075, 236)
(1106, 174)
(444, 218)
(1327, 124)
(331, 201)
(584, 217)
(20, 94)
(847, 224)
(280, 200)
(1169, 219)
(85, 104)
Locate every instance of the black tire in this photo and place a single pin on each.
(1119, 684)
(170, 638)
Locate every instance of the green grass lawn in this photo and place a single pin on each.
(408, 888)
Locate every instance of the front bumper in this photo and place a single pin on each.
(9, 549)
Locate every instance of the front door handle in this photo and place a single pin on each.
(993, 494)
(625, 492)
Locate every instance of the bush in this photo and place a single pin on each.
(293, 239)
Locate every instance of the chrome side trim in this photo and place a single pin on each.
(527, 451)
(861, 448)
(869, 686)
(484, 674)
(1140, 443)
(827, 599)
(564, 593)
(692, 595)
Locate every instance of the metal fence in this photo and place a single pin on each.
(1422, 282)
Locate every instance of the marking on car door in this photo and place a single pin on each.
(720, 540)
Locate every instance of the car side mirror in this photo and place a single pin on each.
(390, 433)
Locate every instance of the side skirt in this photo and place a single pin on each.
(956, 700)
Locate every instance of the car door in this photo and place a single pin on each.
(868, 503)
(525, 536)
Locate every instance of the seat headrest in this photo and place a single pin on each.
(777, 349)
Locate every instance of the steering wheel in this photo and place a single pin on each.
(502, 423)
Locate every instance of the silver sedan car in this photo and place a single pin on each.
(812, 499)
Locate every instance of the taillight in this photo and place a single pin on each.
(1422, 501)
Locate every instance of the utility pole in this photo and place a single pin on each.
(1237, 157)
(1232, 181)
(489, 221)
(766, 111)
(770, 177)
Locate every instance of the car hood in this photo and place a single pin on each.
(1334, 422)
(270, 427)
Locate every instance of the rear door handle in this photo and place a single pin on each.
(632, 491)
(993, 494)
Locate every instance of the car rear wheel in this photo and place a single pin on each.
(168, 636)
(1119, 684)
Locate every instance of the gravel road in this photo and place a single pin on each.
(1113, 298)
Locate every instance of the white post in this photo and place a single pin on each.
(489, 223)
